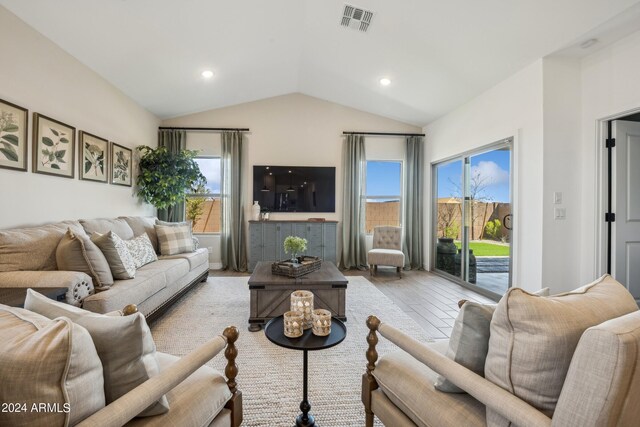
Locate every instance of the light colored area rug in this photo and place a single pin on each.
(270, 377)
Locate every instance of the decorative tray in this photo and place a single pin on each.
(306, 265)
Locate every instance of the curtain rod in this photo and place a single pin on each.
(383, 134)
(204, 129)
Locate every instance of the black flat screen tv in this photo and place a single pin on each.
(295, 188)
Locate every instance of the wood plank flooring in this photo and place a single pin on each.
(431, 300)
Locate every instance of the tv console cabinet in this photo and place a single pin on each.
(266, 239)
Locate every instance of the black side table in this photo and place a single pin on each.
(274, 330)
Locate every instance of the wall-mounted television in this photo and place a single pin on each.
(295, 188)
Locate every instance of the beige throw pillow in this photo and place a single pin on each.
(115, 251)
(469, 341)
(174, 239)
(52, 362)
(124, 344)
(533, 339)
(141, 250)
(76, 252)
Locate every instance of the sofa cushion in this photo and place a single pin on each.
(195, 258)
(146, 284)
(104, 225)
(409, 385)
(51, 362)
(174, 239)
(115, 251)
(124, 344)
(141, 225)
(469, 342)
(173, 269)
(194, 402)
(603, 382)
(76, 252)
(33, 248)
(141, 250)
(533, 339)
(385, 257)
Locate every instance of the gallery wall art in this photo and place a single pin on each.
(13, 136)
(53, 147)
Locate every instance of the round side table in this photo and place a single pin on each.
(274, 330)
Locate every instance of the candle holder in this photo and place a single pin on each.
(302, 301)
(293, 322)
(321, 322)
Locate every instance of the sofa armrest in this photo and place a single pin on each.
(79, 284)
(486, 392)
(125, 408)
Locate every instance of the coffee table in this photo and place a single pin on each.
(15, 297)
(274, 330)
(269, 293)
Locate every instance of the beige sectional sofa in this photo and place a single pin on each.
(28, 259)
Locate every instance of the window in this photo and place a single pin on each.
(203, 206)
(383, 198)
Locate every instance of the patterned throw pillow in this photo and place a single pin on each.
(117, 255)
(141, 250)
(174, 239)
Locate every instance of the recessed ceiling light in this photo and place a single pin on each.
(385, 81)
(207, 74)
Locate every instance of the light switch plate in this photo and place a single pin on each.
(557, 197)
(560, 213)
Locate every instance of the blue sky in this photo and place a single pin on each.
(492, 168)
(383, 178)
(210, 168)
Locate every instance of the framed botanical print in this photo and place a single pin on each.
(121, 165)
(94, 157)
(53, 147)
(13, 136)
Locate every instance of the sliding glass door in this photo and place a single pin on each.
(473, 219)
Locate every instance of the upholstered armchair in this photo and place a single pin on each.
(569, 377)
(387, 249)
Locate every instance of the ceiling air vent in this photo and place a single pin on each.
(356, 18)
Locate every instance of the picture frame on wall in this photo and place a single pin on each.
(53, 147)
(93, 164)
(14, 121)
(121, 165)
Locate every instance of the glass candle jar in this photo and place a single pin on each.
(321, 322)
(293, 321)
(302, 301)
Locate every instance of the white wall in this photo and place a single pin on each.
(513, 108)
(561, 238)
(36, 74)
(610, 86)
(295, 129)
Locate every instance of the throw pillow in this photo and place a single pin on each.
(469, 341)
(141, 250)
(117, 255)
(76, 252)
(174, 239)
(533, 339)
(47, 361)
(124, 344)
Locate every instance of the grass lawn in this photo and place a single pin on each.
(486, 249)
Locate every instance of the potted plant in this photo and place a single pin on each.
(165, 177)
(295, 245)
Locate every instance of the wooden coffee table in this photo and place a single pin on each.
(270, 293)
(15, 297)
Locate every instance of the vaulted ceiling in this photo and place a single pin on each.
(438, 54)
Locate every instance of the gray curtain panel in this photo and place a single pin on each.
(175, 141)
(413, 203)
(232, 241)
(354, 250)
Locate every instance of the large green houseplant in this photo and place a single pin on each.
(166, 177)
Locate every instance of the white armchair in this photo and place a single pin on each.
(387, 249)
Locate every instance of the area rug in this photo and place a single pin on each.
(270, 377)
